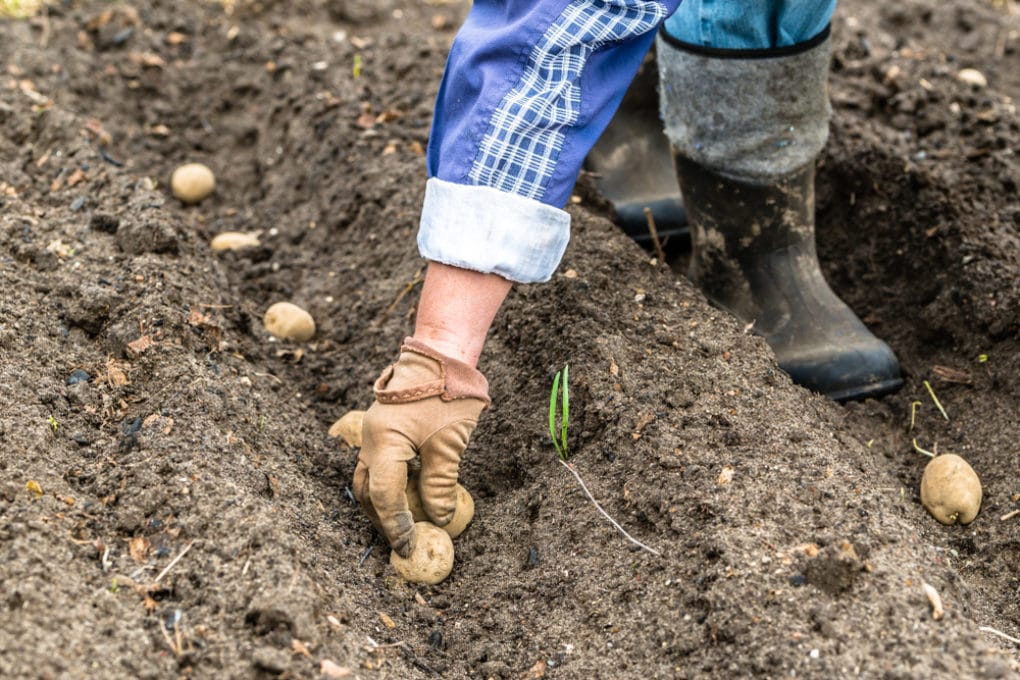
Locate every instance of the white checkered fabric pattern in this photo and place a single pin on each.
(519, 150)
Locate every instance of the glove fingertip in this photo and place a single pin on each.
(403, 545)
(441, 520)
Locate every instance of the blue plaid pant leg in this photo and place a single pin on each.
(529, 87)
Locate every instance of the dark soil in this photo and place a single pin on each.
(183, 513)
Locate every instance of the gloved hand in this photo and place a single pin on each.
(426, 404)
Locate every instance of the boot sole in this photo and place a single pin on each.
(869, 391)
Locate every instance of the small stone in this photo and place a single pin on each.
(533, 558)
(331, 669)
(971, 76)
(725, 476)
(122, 36)
(77, 376)
(271, 659)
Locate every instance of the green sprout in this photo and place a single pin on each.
(913, 414)
(53, 423)
(936, 400)
(560, 442)
(920, 450)
(356, 69)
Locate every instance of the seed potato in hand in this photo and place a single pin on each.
(192, 183)
(287, 321)
(951, 490)
(462, 515)
(431, 561)
(348, 428)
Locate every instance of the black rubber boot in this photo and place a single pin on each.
(634, 170)
(753, 254)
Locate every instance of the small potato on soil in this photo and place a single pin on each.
(234, 240)
(431, 561)
(951, 490)
(462, 515)
(287, 321)
(348, 428)
(192, 183)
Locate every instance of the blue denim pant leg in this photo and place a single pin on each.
(738, 25)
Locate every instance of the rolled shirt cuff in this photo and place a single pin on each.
(491, 231)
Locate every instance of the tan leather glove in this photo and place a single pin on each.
(426, 404)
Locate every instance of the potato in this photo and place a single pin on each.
(235, 240)
(462, 515)
(431, 561)
(951, 490)
(348, 427)
(289, 322)
(192, 183)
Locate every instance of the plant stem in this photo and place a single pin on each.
(552, 415)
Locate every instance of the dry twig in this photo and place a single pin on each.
(174, 561)
(655, 235)
(175, 648)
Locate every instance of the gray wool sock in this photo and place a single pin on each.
(751, 119)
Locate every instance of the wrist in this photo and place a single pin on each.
(456, 346)
(456, 309)
(423, 371)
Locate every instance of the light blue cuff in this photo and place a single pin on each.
(491, 231)
(762, 25)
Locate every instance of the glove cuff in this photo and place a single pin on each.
(451, 379)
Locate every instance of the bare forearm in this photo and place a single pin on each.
(456, 310)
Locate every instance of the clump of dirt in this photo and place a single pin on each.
(170, 502)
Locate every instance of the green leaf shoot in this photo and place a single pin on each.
(560, 439)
